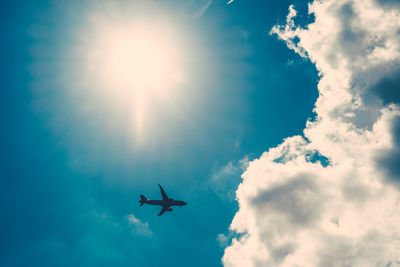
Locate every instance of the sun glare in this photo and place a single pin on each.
(133, 65)
(137, 58)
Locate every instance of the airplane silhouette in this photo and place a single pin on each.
(166, 202)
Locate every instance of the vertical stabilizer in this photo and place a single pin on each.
(142, 200)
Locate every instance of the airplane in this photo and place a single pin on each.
(166, 202)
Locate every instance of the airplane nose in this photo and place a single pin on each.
(184, 203)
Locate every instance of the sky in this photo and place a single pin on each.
(276, 121)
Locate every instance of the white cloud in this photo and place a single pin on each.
(139, 227)
(295, 212)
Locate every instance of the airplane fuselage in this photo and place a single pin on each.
(167, 203)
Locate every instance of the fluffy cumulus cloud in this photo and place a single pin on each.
(332, 197)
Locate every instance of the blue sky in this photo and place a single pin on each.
(67, 190)
(71, 170)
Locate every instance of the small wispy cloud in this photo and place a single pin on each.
(224, 180)
(223, 240)
(202, 8)
(138, 227)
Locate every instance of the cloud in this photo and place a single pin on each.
(200, 7)
(225, 179)
(139, 227)
(341, 207)
(222, 240)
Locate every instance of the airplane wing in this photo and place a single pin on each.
(162, 211)
(164, 195)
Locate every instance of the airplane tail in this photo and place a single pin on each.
(142, 200)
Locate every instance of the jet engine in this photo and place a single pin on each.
(169, 209)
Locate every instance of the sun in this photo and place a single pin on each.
(136, 58)
(133, 67)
